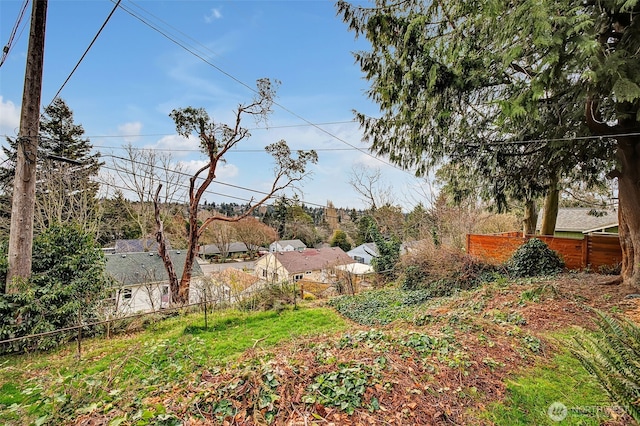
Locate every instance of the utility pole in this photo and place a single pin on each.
(24, 182)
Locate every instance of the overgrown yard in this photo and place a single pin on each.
(493, 355)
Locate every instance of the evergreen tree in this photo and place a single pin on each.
(503, 90)
(339, 239)
(66, 189)
(115, 222)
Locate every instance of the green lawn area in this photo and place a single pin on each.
(558, 385)
(119, 372)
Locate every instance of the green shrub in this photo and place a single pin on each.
(611, 356)
(65, 288)
(534, 258)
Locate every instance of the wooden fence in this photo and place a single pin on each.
(594, 251)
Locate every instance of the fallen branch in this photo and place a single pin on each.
(258, 341)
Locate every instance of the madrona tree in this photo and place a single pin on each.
(500, 89)
(216, 139)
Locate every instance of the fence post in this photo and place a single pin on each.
(79, 338)
(206, 323)
(585, 251)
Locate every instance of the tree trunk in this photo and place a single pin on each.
(530, 217)
(550, 214)
(192, 247)
(164, 253)
(629, 208)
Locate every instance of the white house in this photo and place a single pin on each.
(364, 253)
(142, 282)
(287, 245)
(310, 264)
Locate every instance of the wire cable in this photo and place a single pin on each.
(209, 192)
(7, 48)
(104, 24)
(237, 80)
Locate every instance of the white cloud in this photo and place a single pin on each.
(177, 145)
(9, 118)
(212, 16)
(130, 131)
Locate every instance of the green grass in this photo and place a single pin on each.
(122, 371)
(563, 380)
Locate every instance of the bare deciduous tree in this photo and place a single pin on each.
(254, 234)
(368, 183)
(140, 172)
(223, 235)
(63, 198)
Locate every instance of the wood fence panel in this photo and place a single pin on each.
(569, 248)
(494, 249)
(604, 250)
(594, 251)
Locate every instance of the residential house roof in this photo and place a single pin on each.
(235, 247)
(312, 259)
(145, 267)
(369, 248)
(296, 244)
(138, 246)
(583, 219)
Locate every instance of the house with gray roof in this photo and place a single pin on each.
(578, 222)
(287, 245)
(236, 248)
(143, 282)
(310, 264)
(364, 253)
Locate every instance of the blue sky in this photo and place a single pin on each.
(133, 76)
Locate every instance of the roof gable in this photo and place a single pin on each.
(367, 248)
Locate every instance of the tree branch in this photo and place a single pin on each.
(594, 120)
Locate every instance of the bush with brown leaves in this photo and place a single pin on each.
(442, 269)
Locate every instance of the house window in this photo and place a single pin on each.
(126, 293)
(264, 273)
(297, 277)
(308, 272)
(358, 259)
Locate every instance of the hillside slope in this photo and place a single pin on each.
(456, 360)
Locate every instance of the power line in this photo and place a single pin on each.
(248, 201)
(207, 191)
(230, 151)
(7, 48)
(85, 52)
